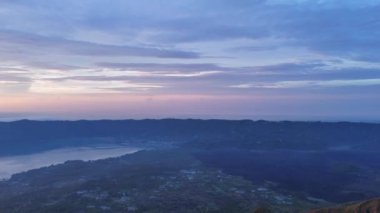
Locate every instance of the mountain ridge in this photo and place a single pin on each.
(247, 134)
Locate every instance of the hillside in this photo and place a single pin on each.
(34, 136)
(147, 181)
(370, 206)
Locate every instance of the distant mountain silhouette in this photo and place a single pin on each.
(29, 136)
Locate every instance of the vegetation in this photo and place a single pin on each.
(148, 181)
(195, 166)
(36, 136)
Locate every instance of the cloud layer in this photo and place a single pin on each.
(250, 48)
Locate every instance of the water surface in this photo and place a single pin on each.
(15, 164)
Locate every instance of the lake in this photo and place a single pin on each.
(14, 164)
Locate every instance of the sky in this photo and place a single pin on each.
(246, 59)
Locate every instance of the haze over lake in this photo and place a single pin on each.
(15, 164)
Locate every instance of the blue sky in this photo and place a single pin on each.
(259, 59)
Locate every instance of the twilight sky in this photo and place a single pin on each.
(258, 59)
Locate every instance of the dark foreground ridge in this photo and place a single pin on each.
(370, 206)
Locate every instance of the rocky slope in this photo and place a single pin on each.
(370, 206)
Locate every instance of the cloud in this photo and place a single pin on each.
(185, 67)
(281, 68)
(127, 75)
(16, 43)
(347, 29)
(13, 80)
(156, 47)
(85, 87)
(332, 28)
(310, 83)
(291, 67)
